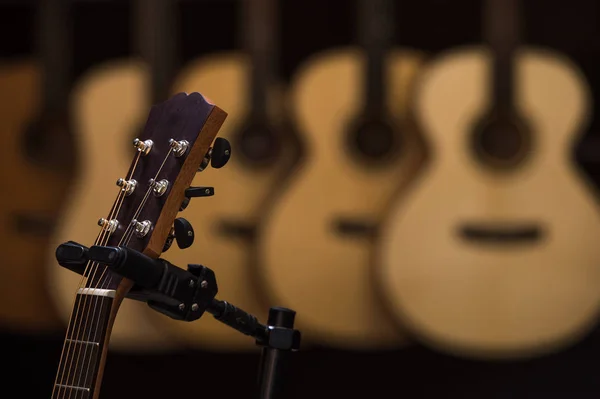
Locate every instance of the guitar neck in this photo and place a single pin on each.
(137, 220)
(156, 41)
(53, 48)
(84, 351)
(375, 26)
(259, 21)
(501, 20)
(85, 347)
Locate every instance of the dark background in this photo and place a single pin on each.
(101, 31)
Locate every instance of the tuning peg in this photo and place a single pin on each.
(184, 233)
(169, 240)
(193, 192)
(220, 154)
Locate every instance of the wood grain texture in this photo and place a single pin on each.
(496, 300)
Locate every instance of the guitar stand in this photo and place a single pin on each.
(186, 295)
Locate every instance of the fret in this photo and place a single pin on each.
(97, 291)
(76, 341)
(81, 360)
(90, 314)
(75, 392)
(82, 350)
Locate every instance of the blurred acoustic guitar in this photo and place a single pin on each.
(109, 105)
(352, 105)
(36, 164)
(494, 252)
(247, 84)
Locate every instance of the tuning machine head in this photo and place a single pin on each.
(218, 155)
(194, 192)
(182, 232)
(144, 147)
(170, 239)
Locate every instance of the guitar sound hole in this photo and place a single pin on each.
(373, 141)
(258, 144)
(502, 141)
(47, 140)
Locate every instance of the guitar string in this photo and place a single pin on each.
(97, 319)
(73, 320)
(103, 237)
(91, 315)
(94, 329)
(104, 271)
(128, 233)
(76, 322)
(96, 300)
(105, 234)
(69, 327)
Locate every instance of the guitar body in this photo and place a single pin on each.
(30, 205)
(109, 107)
(304, 263)
(239, 192)
(482, 298)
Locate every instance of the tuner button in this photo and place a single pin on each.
(193, 192)
(184, 233)
(221, 152)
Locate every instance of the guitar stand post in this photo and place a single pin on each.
(275, 352)
(186, 295)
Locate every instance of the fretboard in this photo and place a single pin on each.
(80, 361)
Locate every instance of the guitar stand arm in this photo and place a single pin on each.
(186, 295)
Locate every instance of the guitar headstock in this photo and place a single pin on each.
(173, 144)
